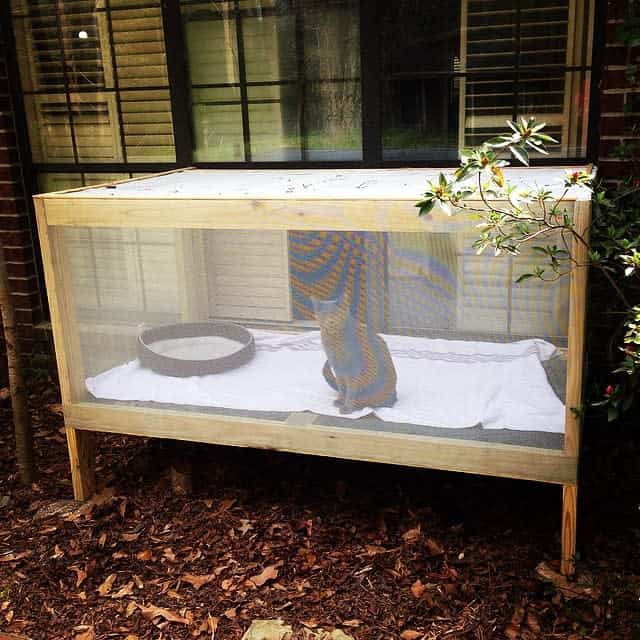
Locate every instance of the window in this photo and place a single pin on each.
(95, 81)
(274, 80)
(128, 86)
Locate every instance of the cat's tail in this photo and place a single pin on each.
(329, 376)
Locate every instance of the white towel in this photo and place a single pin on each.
(441, 383)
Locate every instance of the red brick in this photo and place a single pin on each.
(613, 125)
(12, 205)
(9, 189)
(9, 156)
(26, 300)
(28, 316)
(14, 222)
(23, 285)
(614, 79)
(18, 254)
(8, 139)
(615, 55)
(15, 238)
(21, 269)
(10, 173)
(606, 148)
(612, 102)
(616, 169)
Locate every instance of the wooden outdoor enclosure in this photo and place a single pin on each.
(489, 372)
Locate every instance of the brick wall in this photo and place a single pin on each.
(15, 218)
(619, 97)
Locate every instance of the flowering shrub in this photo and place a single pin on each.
(511, 216)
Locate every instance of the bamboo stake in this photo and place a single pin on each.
(21, 417)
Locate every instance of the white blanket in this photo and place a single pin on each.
(441, 383)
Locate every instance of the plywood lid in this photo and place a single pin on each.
(308, 184)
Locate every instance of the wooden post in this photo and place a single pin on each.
(81, 457)
(575, 364)
(569, 528)
(67, 347)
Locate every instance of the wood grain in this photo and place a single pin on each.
(82, 458)
(493, 459)
(577, 310)
(569, 528)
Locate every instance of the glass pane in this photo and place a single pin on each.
(212, 46)
(217, 119)
(410, 323)
(147, 125)
(421, 116)
(489, 61)
(48, 182)
(274, 123)
(299, 67)
(72, 57)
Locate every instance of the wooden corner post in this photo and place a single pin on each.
(575, 364)
(67, 347)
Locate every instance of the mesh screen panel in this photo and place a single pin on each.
(418, 331)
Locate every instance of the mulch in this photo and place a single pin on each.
(380, 552)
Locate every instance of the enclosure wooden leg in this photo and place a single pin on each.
(569, 517)
(81, 456)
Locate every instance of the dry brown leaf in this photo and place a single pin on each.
(13, 557)
(131, 607)
(412, 535)
(373, 550)
(103, 496)
(434, 548)
(352, 623)
(417, 589)
(512, 632)
(126, 590)
(567, 589)
(197, 581)
(131, 536)
(169, 555)
(81, 575)
(5, 394)
(105, 587)
(212, 624)
(411, 634)
(226, 584)
(532, 622)
(102, 539)
(132, 636)
(267, 574)
(56, 408)
(89, 634)
(231, 613)
(145, 555)
(225, 505)
(152, 612)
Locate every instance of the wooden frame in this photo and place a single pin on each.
(74, 208)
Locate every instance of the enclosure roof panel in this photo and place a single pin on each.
(308, 184)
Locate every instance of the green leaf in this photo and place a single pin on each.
(426, 206)
(524, 276)
(520, 154)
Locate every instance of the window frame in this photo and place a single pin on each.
(371, 115)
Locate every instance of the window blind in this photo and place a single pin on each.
(518, 57)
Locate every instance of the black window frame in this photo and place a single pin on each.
(371, 115)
